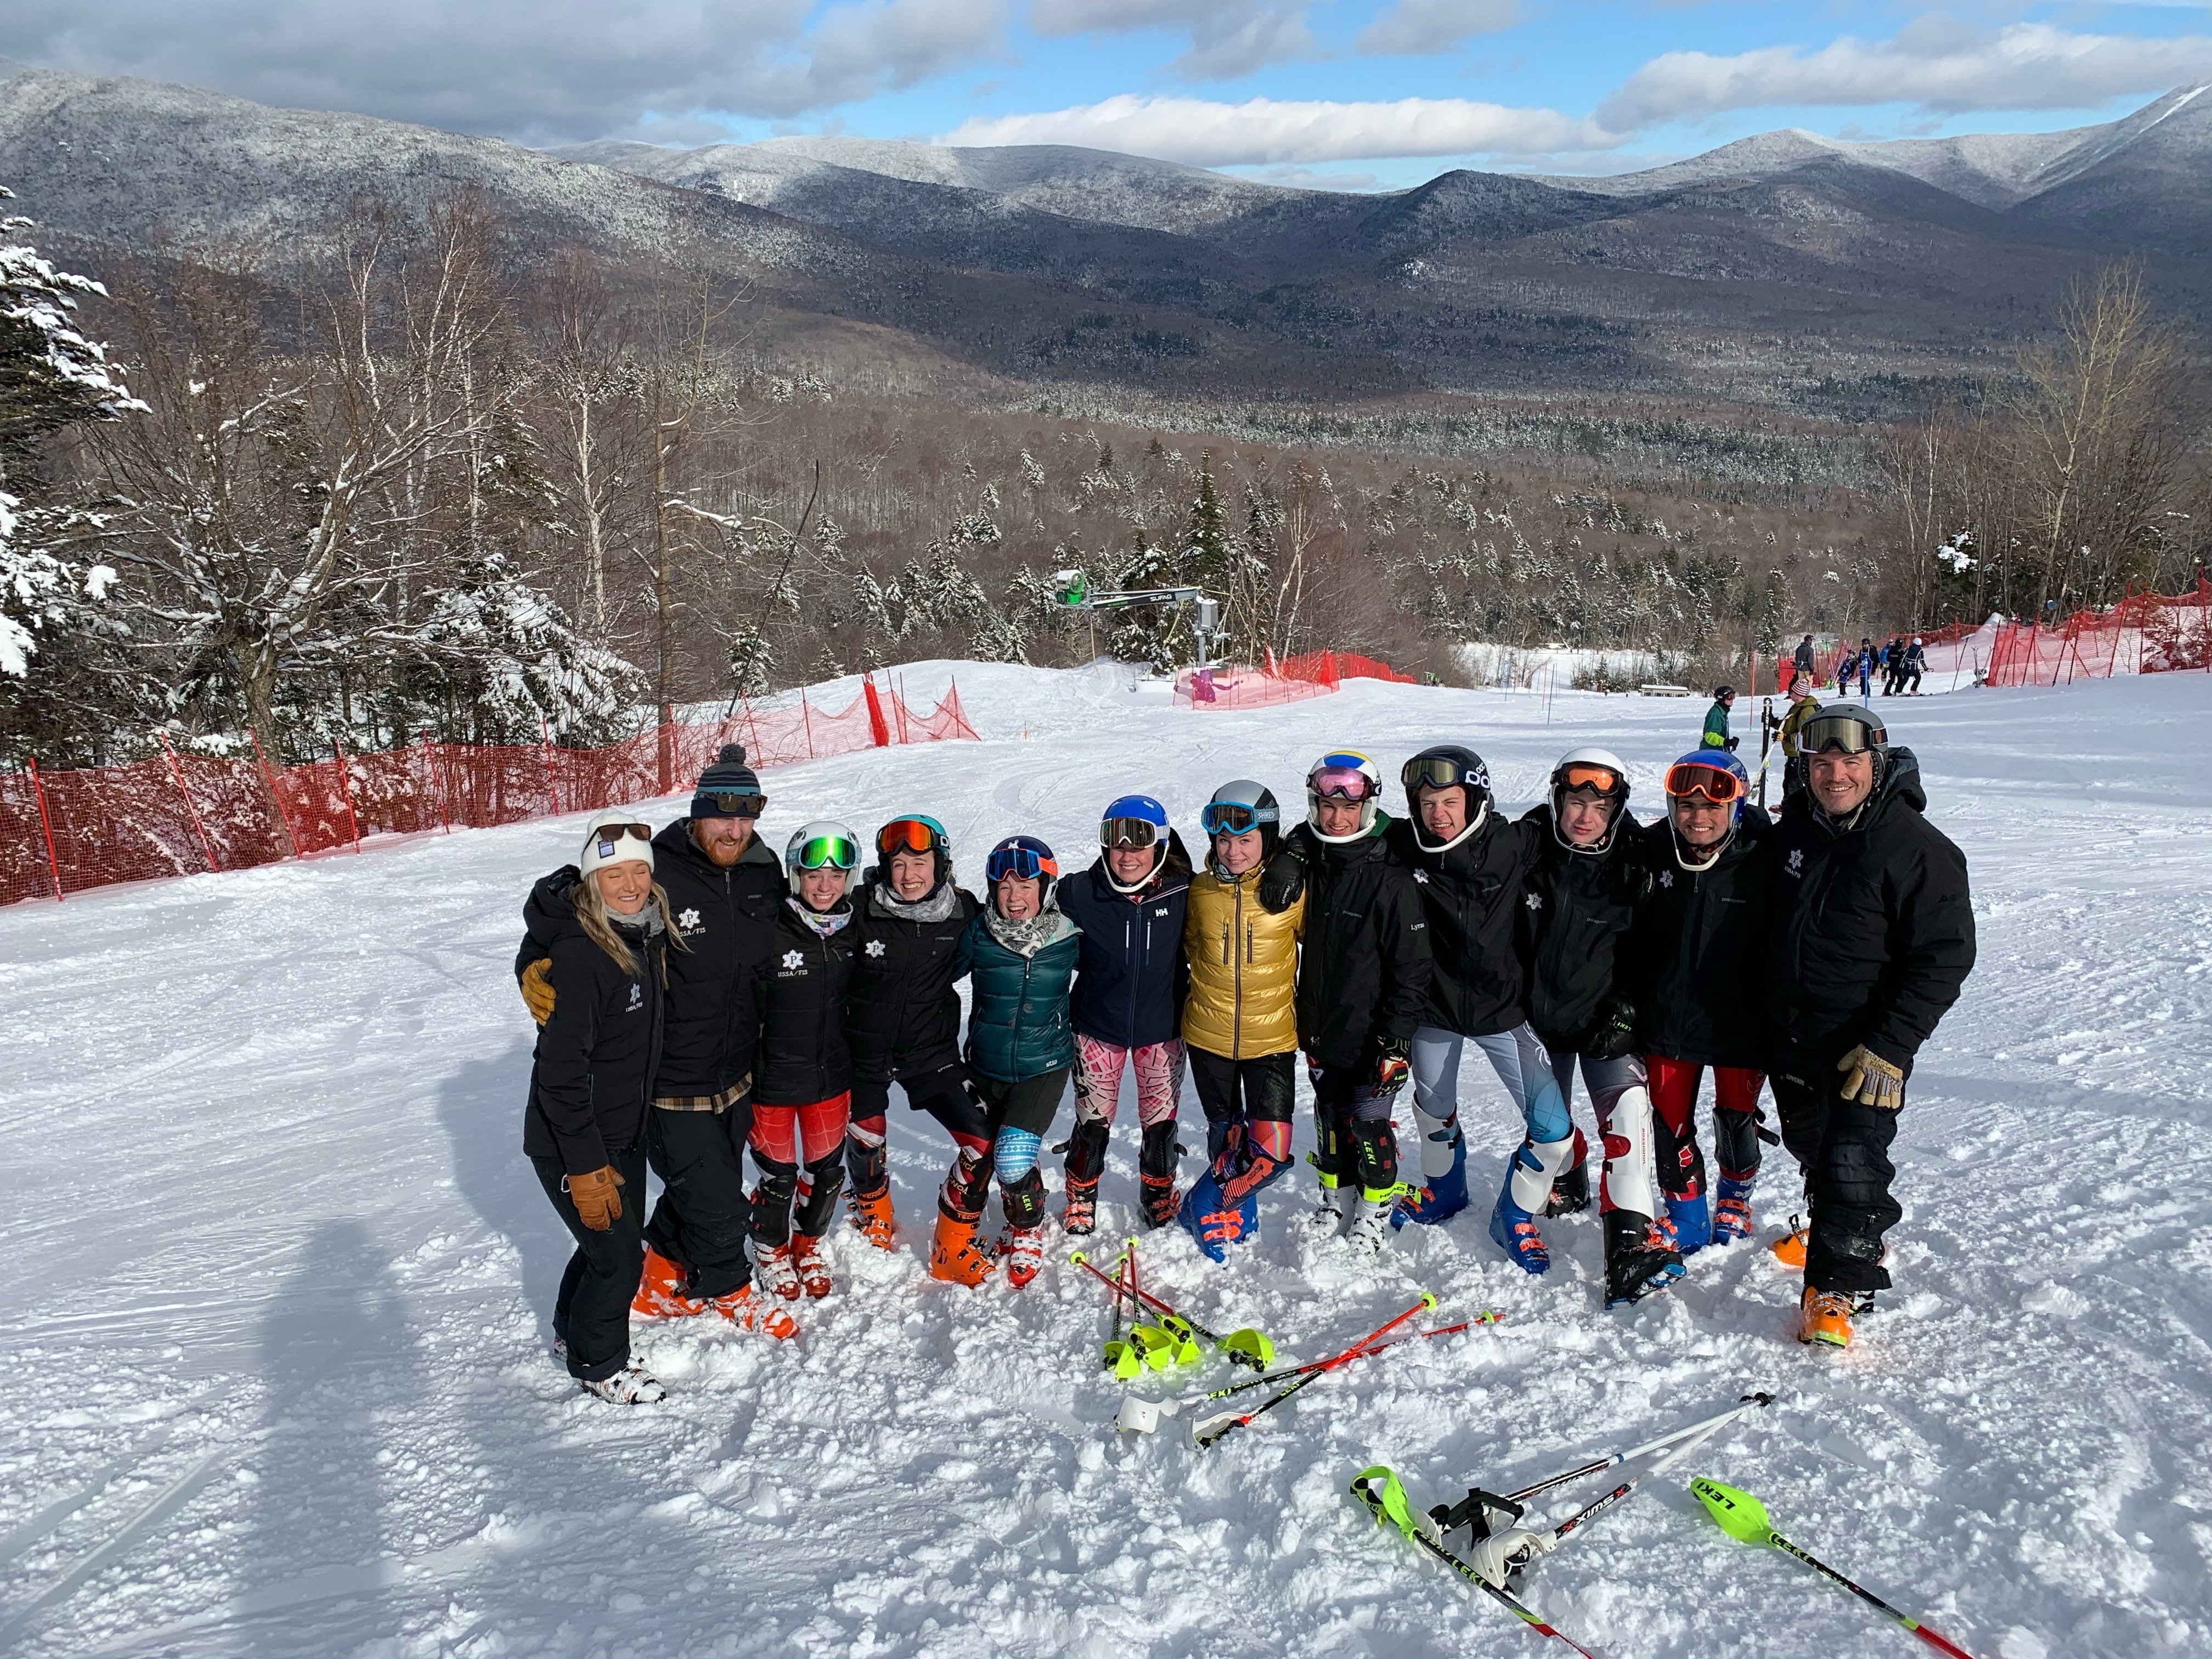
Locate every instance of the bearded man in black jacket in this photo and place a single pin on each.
(1871, 941)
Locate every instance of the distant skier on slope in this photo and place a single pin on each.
(1715, 734)
(1363, 982)
(1128, 1005)
(1695, 951)
(903, 1016)
(585, 1125)
(1240, 1019)
(1872, 940)
(1582, 898)
(1022, 951)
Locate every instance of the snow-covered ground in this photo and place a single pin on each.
(274, 1320)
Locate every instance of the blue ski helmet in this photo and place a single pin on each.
(1716, 774)
(1133, 821)
(1028, 859)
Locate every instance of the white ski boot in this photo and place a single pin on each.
(632, 1385)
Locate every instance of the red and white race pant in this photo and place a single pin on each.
(1158, 1067)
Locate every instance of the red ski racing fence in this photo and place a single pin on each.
(2143, 634)
(176, 814)
(1289, 680)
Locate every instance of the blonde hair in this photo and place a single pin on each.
(590, 907)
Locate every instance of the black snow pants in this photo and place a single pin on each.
(1843, 1148)
(701, 1218)
(592, 1312)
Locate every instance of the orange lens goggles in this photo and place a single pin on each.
(906, 835)
(1716, 783)
(1602, 779)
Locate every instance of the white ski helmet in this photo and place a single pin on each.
(824, 844)
(1348, 773)
(1584, 768)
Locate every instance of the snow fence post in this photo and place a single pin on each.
(898, 702)
(878, 728)
(345, 792)
(438, 784)
(46, 823)
(178, 772)
(806, 719)
(545, 748)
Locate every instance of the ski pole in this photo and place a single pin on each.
(1207, 1432)
(1390, 1506)
(1468, 1510)
(1120, 1357)
(1741, 1516)
(1687, 1448)
(1160, 1348)
(1144, 1415)
(1243, 1347)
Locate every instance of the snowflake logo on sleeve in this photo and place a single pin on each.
(1534, 901)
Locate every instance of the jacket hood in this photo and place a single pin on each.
(547, 913)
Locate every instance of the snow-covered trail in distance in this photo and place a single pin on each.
(279, 1279)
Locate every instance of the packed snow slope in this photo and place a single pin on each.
(276, 1318)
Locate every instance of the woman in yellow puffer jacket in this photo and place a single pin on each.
(1240, 1024)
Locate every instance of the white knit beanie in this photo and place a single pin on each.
(612, 847)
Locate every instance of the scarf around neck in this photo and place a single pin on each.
(1028, 936)
(936, 905)
(823, 922)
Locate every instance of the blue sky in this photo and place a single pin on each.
(1349, 92)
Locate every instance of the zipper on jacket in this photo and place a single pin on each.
(1236, 974)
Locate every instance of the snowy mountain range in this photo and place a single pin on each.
(1779, 268)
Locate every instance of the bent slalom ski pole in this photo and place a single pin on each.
(1741, 1516)
(1390, 1504)
(1207, 1432)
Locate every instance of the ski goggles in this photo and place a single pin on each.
(1440, 772)
(1717, 784)
(1345, 782)
(909, 835)
(1129, 832)
(1022, 863)
(1234, 817)
(616, 831)
(1599, 781)
(1848, 732)
(827, 852)
(724, 804)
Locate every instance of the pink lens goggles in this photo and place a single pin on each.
(1346, 782)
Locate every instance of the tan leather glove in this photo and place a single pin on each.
(598, 1201)
(1871, 1080)
(538, 989)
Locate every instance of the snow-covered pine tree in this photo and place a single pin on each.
(507, 653)
(1157, 636)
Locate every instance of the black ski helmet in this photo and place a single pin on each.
(1446, 766)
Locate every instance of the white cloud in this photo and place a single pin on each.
(538, 69)
(1417, 28)
(1265, 130)
(1228, 38)
(1936, 65)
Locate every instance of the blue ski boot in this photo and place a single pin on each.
(1514, 1229)
(1732, 1209)
(1441, 1197)
(1215, 1222)
(1689, 1226)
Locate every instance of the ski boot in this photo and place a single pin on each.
(660, 1293)
(1080, 1217)
(775, 1271)
(1440, 1197)
(1157, 1162)
(1790, 1248)
(1370, 1227)
(1570, 1187)
(1826, 1317)
(871, 1215)
(1689, 1224)
(1214, 1222)
(1327, 1220)
(749, 1311)
(1513, 1228)
(806, 1261)
(632, 1385)
(1732, 1209)
(953, 1255)
(1639, 1261)
(1023, 1250)
(1087, 1161)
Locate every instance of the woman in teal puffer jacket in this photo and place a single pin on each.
(1021, 952)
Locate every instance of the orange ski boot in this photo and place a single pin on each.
(749, 1311)
(1790, 1248)
(872, 1214)
(813, 1271)
(660, 1291)
(953, 1255)
(1826, 1317)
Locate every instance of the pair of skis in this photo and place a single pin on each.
(1174, 1340)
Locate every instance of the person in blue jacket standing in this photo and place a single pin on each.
(1129, 1000)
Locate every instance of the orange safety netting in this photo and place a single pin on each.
(1290, 680)
(2143, 634)
(181, 815)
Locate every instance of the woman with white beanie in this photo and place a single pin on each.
(584, 1129)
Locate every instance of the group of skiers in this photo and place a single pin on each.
(701, 1001)
(1902, 663)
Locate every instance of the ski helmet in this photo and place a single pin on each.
(1849, 727)
(917, 832)
(1349, 775)
(1028, 859)
(1723, 693)
(1133, 821)
(1241, 804)
(1446, 766)
(824, 844)
(1589, 771)
(1718, 777)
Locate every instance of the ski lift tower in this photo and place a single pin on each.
(1073, 589)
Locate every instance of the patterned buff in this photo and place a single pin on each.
(1030, 934)
(823, 922)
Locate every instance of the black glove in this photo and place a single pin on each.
(1284, 879)
(1392, 1068)
(1733, 742)
(1613, 1034)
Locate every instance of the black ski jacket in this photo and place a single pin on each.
(1473, 895)
(1130, 989)
(725, 923)
(903, 1016)
(1697, 948)
(594, 1070)
(805, 982)
(1874, 929)
(1364, 971)
(1575, 921)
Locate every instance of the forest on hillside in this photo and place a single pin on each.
(388, 481)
